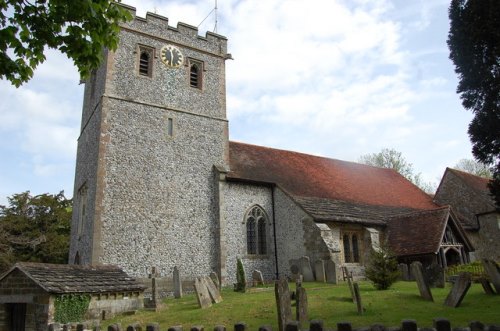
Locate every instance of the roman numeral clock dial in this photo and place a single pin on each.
(172, 56)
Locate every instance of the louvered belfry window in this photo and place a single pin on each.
(144, 64)
(195, 73)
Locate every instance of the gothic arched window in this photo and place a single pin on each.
(195, 73)
(256, 231)
(145, 58)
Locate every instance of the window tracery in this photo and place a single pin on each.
(256, 231)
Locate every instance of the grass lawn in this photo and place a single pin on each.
(331, 303)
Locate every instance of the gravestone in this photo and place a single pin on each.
(215, 279)
(331, 272)
(202, 295)
(357, 295)
(152, 327)
(294, 268)
(319, 270)
(403, 270)
(301, 305)
(459, 290)
(213, 291)
(423, 287)
(306, 269)
(486, 286)
(258, 279)
(351, 288)
(134, 327)
(435, 276)
(284, 306)
(177, 284)
(493, 271)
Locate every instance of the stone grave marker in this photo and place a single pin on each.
(152, 327)
(403, 269)
(258, 279)
(301, 307)
(215, 279)
(202, 295)
(459, 290)
(486, 286)
(493, 271)
(294, 268)
(423, 287)
(155, 296)
(351, 288)
(357, 296)
(305, 269)
(177, 283)
(213, 291)
(283, 303)
(319, 269)
(331, 272)
(434, 275)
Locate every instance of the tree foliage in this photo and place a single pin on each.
(472, 167)
(78, 28)
(241, 278)
(35, 228)
(474, 43)
(392, 159)
(382, 269)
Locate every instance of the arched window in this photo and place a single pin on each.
(251, 236)
(144, 64)
(256, 231)
(193, 77)
(195, 73)
(145, 60)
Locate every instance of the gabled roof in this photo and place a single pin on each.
(66, 278)
(476, 183)
(328, 189)
(421, 232)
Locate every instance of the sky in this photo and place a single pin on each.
(333, 78)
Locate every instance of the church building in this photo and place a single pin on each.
(158, 183)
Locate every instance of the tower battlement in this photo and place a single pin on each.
(184, 34)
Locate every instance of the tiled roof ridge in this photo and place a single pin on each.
(468, 174)
(309, 155)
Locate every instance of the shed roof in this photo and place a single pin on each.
(66, 278)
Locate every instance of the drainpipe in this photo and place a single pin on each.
(274, 230)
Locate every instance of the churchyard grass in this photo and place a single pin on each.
(331, 303)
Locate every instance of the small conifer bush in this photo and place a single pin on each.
(383, 268)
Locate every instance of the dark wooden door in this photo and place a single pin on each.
(17, 316)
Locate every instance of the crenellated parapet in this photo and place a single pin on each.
(157, 26)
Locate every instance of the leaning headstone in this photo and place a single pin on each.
(434, 275)
(177, 283)
(301, 305)
(213, 291)
(202, 295)
(258, 279)
(215, 279)
(305, 269)
(423, 287)
(319, 269)
(284, 306)
(351, 288)
(486, 286)
(493, 271)
(403, 270)
(459, 290)
(357, 295)
(331, 272)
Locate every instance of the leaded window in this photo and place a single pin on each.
(256, 231)
(350, 243)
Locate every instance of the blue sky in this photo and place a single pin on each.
(332, 78)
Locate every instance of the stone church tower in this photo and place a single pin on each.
(153, 131)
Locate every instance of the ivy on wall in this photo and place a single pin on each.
(71, 307)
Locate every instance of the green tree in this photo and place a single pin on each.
(472, 167)
(241, 278)
(382, 269)
(35, 228)
(78, 28)
(474, 43)
(392, 159)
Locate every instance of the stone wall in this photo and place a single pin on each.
(151, 195)
(108, 305)
(238, 200)
(486, 240)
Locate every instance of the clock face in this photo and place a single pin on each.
(172, 56)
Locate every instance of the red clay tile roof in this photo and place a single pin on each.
(418, 232)
(306, 176)
(65, 278)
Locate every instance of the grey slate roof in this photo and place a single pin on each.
(66, 278)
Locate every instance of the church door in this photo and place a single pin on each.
(17, 316)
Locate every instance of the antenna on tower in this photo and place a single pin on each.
(215, 14)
